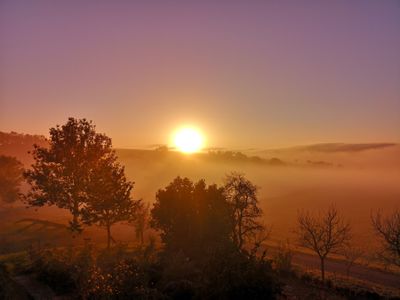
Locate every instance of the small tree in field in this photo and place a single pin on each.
(241, 193)
(140, 221)
(62, 171)
(109, 197)
(352, 255)
(388, 229)
(11, 171)
(324, 234)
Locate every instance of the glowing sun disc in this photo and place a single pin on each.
(188, 140)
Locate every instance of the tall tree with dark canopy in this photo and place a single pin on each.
(192, 217)
(11, 171)
(61, 172)
(324, 234)
(242, 196)
(109, 197)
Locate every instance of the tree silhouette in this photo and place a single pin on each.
(140, 220)
(241, 193)
(11, 171)
(192, 218)
(324, 233)
(351, 255)
(61, 172)
(109, 197)
(388, 229)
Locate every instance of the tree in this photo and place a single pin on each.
(140, 221)
(241, 193)
(388, 230)
(109, 197)
(324, 233)
(61, 172)
(351, 255)
(11, 171)
(193, 218)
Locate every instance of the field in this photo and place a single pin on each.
(357, 183)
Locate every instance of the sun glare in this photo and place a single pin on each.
(188, 140)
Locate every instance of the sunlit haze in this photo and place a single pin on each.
(188, 140)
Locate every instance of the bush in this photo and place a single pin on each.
(283, 259)
(238, 276)
(97, 275)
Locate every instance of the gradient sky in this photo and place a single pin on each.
(248, 73)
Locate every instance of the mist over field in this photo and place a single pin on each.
(357, 178)
(356, 182)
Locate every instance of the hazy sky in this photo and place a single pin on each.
(248, 73)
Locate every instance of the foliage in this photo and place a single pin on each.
(324, 233)
(109, 197)
(388, 230)
(11, 171)
(201, 257)
(63, 171)
(234, 275)
(192, 217)
(93, 274)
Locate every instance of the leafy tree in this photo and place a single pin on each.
(388, 229)
(11, 171)
(109, 197)
(192, 217)
(241, 193)
(61, 172)
(324, 233)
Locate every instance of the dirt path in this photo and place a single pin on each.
(357, 271)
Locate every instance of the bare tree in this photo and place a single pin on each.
(241, 193)
(352, 255)
(324, 233)
(388, 229)
(140, 221)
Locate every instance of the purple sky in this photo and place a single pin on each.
(248, 73)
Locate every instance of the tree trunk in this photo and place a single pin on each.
(141, 237)
(75, 218)
(322, 268)
(108, 236)
(240, 236)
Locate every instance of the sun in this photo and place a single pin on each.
(188, 140)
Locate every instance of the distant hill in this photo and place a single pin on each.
(360, 155)
(336, 147)
(162, 154)
(18, 145)
(315, 155)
